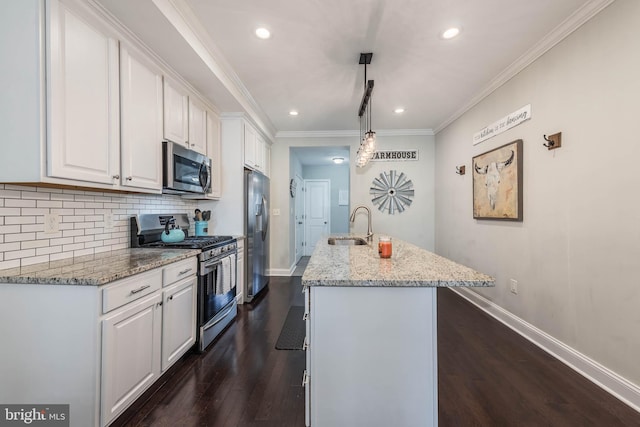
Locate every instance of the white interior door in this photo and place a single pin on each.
(299, 217)
(317, 208)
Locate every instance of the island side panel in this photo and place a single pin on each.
(373, 356)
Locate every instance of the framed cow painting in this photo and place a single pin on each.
(497, 183)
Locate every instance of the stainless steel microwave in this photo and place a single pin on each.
(184, 170)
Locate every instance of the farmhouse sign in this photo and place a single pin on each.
(504, 124)
(394, 155)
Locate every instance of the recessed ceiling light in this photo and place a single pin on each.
(293, 113)
(263, 33)
(338, 160)
(450, 33)
(399, 110)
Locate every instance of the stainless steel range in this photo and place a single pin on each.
(217, 270)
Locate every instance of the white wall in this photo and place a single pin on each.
(415, 225)
(575, 255)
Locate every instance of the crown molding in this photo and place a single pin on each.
(180, 15)
(568, 26)
(352, 133)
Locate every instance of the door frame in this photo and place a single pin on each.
(299, 202)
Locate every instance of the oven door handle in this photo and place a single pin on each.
(222, 316)
(208, 267)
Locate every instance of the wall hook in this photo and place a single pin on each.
(460, 170)
(554, 141)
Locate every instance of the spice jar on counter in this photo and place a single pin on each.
(384, 247)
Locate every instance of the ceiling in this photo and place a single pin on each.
(321, 156)
(310, 63)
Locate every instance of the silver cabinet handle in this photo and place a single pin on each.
(184, 271)
(305, 378)
(140, 289)
(305, 345)
(116, 177)
(129, 178)
(170, 298)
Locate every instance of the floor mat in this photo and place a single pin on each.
(293, 331)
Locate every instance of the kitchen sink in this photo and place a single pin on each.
(338, 240)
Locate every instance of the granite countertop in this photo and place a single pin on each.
(95, 270)
(409, 266)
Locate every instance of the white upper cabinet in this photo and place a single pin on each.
(141, 120)
(249, 146)
(197, 126)
(257, 152)
(214, 152)
(176, 113)
(82, 93)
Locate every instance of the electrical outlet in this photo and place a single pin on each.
(276, 212)
(108, 221)
(514, 286)
(51, 223)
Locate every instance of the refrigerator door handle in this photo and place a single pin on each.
(265, 218)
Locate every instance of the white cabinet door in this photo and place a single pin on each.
(259, 163)
(197, 126)
(176, 117)
(249, 146)
(82, 98)
(141, 121)
(241, 285)
(214, 152)
(267, 160)
(130, 354)
(178, 320)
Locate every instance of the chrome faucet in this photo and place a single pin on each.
(352, 218)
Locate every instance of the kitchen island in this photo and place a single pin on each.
(372, 333)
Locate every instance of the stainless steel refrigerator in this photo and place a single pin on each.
(256, 228)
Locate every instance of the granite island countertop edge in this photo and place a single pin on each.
(409, 266)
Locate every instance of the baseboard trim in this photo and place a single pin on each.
(281, 271)
(606, 379)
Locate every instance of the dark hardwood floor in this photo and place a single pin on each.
(488, 376)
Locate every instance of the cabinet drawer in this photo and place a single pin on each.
(179, 270)
(130, 289)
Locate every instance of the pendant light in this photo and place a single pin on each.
(368, 138)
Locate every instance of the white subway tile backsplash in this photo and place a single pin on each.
(9, 264)
(20, 237)
(19, 203)
(9, 247)
(34, 211)
(35, 195)
(10, 194)
(48, 250)
(19, 254)
(49, 203)
(32, 244)
(20, 220)
(27, 228)
(62, 197)
(72, 233)
(9, 211)
(34, 260)
(6, 229)
(82, 227)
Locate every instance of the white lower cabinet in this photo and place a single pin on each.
(130, 354)
(241, 285)
(178, 320)
(96, 348)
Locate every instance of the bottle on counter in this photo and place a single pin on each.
(384, 247)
